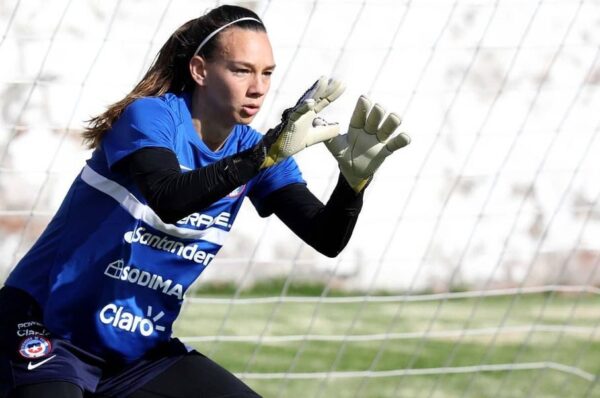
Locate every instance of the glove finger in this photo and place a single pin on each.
(316, 91)
(374, 119)
(390, 124)
(359, 116)
(397, 142)
(301, 109)
(334, 90)
(322, 133)
(337, 144)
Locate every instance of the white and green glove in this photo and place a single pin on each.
(300, 126)
(360, 152)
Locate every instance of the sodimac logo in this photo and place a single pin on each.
(128, 273)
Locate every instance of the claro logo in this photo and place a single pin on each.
(120, 318)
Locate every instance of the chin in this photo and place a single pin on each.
(245, 119)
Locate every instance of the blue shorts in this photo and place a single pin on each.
(30, 354)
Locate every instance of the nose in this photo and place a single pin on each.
(259, 86)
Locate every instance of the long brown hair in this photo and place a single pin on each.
(170, 72)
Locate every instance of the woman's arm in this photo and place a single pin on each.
(327, 228)
(173, 194)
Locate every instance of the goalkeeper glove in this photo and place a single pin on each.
(300, 126)
(360, 152)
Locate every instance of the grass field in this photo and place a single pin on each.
(446, 345)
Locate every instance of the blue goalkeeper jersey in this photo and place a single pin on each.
(108, 273)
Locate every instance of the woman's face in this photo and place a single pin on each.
(238, 76)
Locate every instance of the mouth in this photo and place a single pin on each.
(250, 110)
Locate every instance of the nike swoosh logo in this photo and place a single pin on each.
(31, 366)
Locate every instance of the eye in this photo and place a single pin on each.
(268, 73)
(241, 71)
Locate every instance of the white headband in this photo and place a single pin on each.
(220, 29)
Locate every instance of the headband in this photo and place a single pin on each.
(210, 36)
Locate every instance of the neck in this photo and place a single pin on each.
(212, 132)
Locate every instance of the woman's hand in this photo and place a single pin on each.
(300, 126)
(360, 152)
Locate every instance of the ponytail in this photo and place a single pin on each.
(170, 71)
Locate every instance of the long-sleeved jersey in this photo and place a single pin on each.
(109, 274)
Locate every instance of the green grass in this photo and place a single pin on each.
(581, 350)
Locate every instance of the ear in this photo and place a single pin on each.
(198, 69)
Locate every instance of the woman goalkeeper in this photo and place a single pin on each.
(89, 309)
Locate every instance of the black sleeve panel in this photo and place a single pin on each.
(173, 194)
(327, 228)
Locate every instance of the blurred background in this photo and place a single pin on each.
(498, 187)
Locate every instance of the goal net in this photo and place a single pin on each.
(473, 269)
